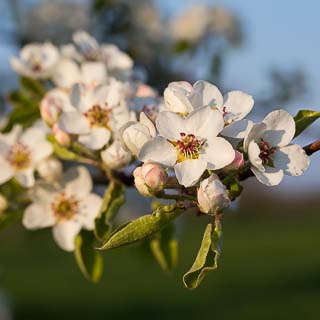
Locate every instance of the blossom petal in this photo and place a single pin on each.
(77, 182)
(74, 122)
(158, 150)
(38, 216)
(96, 139)
(93, 73)
(204, 123)
(255, 134)
(218, 153)
(6, 171)
(237, 105)
(148, 123)
(66, 73)
(280, 128)
(65, 233)
(291, 159)
(176, 97)
(170, 125)
(270, 177)
(26, 177)
(89, 209)
(253, 154)
(188, 172)
(43, 192)
(238, 129)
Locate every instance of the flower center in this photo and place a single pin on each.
(19, 156)
(266, 153)
(63, 207)
(188, 146)
(98, 117)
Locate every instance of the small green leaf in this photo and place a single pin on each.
(304, 118)
(32, 87)
(165, 248)
(207, 257)
(112, 201)
(88, 259)
(235, 189)
(142, 227)
(62, 152)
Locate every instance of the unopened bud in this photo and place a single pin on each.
(115, 156)
(60, 136)
(212, 196)
(237, 163)
(154, 176)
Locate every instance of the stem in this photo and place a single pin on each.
(178, 197)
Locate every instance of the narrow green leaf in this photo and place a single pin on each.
(304, 118)
(32, 87)
(88, 259)
(142, 227)
(207, 257)
(112, 201)
(165, 248)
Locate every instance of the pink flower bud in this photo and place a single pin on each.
(237, 163)
(60, 136)
(52, 105)
(140, 183)
(154, 175)
(212, 195)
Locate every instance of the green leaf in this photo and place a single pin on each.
(142, 227)
(112, 201)
(165, 248)
(235, 189)
(34, 88)
(207, 257)
(62, 152)
(88, 259)
(304, 118)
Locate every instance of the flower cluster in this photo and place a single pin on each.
(194, 145)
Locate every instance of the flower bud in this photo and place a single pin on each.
(3, 203)
(60, 136)
(154, 176)
(50, 169)
(237, 163)
(140, 183)
(115, 156)
(212, 196)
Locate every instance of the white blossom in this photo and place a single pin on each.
(67, 206)
(270, 153)
(50, 169)
(114, 156)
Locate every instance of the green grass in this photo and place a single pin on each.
(270, 268)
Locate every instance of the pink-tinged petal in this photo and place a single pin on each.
(253, 154)
(158, 150)
(96, 139)
(280, 128)
(255, 134)
(270, 177)
(37, 216)
(89, 209)
(188, 172)
(237, 130)
(64, 234)
(291, 159)
(170, 125)
(204, 123)
(218, 153)
(237, 105)
(74, 123)
(206, 94)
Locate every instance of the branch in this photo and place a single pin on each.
(309, 149)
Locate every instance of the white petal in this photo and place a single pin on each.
(158, 150)
(41, 151)
(170, 125)
(77, 182)
(205, 123)
(238, 129)
(43, 192)
(66, 73)
(38, 216)
(96, 139)
(188, 172)
(255, 134)
(237, 105)
(218, 153)
(253, 154)
(6, 171)
(26, 177)
(74, 122)
(291, 159)
(206, 94)
(280, 128)
(148, 123)
(93, 73)
(89, 209)
(270, 177)
(65, 233)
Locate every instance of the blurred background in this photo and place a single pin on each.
(270, 265)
